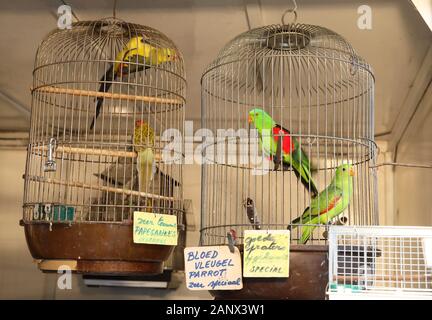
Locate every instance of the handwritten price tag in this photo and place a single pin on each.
(213, 268)
(266, 253)
(154, 228)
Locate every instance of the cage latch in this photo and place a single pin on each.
(50, 165)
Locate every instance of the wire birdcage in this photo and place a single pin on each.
(304, 89)
(380, 262)
(103, 91)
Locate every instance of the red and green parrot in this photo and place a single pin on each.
(330, 203)
(286, 149)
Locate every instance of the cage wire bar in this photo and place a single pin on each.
(380, 262)
(78, 174)
(312, 83)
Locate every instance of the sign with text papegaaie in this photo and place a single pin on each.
(213, 268)
(154, 228)
(266, 253)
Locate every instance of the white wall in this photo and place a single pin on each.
(413, 187)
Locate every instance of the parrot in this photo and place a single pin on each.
(252, 213)
(143, 140)
(288, 147)
(330, 203)
(136, 56)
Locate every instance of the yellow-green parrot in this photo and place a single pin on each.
(137, 55)
(143, 140)
(329, 203)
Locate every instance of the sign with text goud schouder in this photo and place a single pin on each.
(266, 253)
(213, 268)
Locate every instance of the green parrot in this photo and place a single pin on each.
(331, 202)
(288, 147)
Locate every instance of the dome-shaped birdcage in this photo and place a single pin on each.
(104, 92)
(300, 98)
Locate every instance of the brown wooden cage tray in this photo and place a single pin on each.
(98, 248)
(308, 277)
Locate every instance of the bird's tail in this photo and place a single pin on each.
(307, 181)
(145, 168)
(145, 161)
(306, 234)
(105, 85)
(299, 219)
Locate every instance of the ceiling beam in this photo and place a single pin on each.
(16, 105)
(417, 120)
(425, 9)
(412, 100)
(253, 12)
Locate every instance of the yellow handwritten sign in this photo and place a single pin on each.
(213, 268)
(154, 228)
(266, 253)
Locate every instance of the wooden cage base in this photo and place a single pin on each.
(308, 277)
(101, 267)
(93, 248)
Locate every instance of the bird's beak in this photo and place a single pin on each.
(351, 172)
(250, 119)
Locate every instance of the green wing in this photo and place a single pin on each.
(320, 205)
(297, 159)
(302, 165)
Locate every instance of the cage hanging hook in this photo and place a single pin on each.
(293, 10)
(114, 8)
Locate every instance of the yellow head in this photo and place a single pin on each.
(137, 46)
(143, 134)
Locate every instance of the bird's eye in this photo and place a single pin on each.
(343, 169)
(256, 114)
(142, 40)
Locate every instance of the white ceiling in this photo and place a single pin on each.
(395, 47)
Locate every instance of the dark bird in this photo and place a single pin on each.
(252, 213)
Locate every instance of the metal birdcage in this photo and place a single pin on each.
(319, 95)
(380, 262)
(81, 181)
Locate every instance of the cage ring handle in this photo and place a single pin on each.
(293, 10)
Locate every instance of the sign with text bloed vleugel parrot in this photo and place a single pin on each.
(266, 253)
(154, 228)
(213, 268)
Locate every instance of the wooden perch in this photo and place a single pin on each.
(95, 152)
(101, 188)
(97, 94)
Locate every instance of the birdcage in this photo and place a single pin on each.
(380, 262)
(104, 94)
(291, 107)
